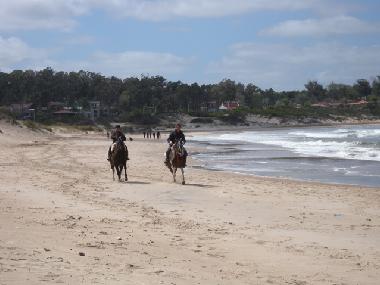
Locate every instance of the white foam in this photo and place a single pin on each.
(341, 143)
(319, 135)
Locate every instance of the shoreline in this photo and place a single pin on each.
(288, 179)
(231, 128)
(201, 151)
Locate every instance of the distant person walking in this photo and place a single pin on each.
(158, 135)
(144, 134)
(154, 135)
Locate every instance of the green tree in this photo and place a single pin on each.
(315, 90)
(363, 88)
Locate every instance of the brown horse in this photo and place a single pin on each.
(119, 160)
(177, 159)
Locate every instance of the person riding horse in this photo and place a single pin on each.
(115, 136)
(176, 136)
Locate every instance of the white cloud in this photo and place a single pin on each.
(62, 14)
(339, 25)
(16, 54)
(167, 9)
(14, 51)
(130, 63)
(78, 40)
(40, 14)
(290, 67)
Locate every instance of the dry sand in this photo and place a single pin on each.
(57, 200)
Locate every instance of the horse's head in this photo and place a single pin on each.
(120, 141)
(178, 147)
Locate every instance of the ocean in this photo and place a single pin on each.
(339, 155)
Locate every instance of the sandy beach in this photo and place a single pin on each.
(64, 220)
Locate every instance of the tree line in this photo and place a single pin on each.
(155, 94)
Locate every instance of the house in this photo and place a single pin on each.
(20, 108)
(64, 114)
(229, 106)
(67, 113)
(55, 106)
(94, 110)
(212, 106)
(23, 111)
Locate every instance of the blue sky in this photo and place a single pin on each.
(280, 44)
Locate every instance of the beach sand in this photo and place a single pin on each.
(64, 220)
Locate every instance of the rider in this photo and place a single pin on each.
(175, 136)
(115, 135)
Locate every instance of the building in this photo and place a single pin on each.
(20, 108)
(229, 106)
(212, 106)
(94, 110)
(55, 106)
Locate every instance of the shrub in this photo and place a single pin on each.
(31, 125)
(139, 117)
(234, 118)
(202, 120)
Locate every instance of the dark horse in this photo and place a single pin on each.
(177, 160)
(119, 160)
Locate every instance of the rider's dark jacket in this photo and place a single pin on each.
(116, 134)
(176, 136)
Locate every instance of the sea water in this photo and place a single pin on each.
(343, 155)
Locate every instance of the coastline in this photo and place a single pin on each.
(221, 228)
(300, 154)
(230, 128)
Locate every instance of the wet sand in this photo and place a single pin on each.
(64, 220)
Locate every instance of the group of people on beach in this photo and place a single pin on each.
(148, 134)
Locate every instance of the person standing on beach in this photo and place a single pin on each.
(158, 135)
(154, 135)
(144, 134)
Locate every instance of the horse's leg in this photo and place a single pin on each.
(113, 173)
(183, 176)
(125, 171)
(174, 173)
(119, 172)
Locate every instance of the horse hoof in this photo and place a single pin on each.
(126, 179)
(183, 182)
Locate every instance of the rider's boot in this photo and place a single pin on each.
(167, 161)
(127, 153)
